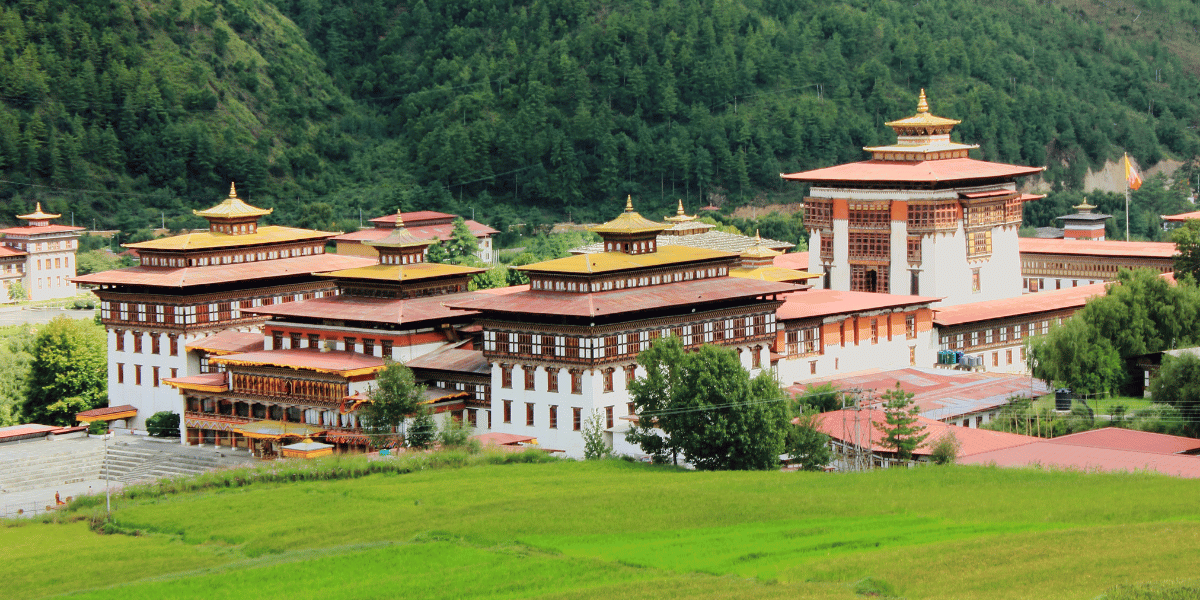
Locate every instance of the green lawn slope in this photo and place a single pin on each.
(615, 529)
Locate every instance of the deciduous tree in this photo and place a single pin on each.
(394, 398)
(704, 405)
(1178, 384)
(1077, 356)
(808, 447)
(68, 373)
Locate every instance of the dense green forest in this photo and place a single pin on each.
(125, 114)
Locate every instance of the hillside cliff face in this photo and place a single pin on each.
(521, 109)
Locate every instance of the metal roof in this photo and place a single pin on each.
(179, 277)
(712, 240)
(606, 262)
(820, 303)
(373, 310)
(208, 240)
(1026, 304)
(1097, 248)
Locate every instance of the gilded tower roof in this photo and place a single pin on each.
(629, 222)
(680, 216)
(923, 118)
(232, 208)
(758, 250)
(38, 215)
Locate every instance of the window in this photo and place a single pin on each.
(812, 367)
(995, 359)
(276, 340)
(294, 340)
(530, 371)
(314, 340)
(576, 382)
(975, 283)
(386, 347)
(350, 343)
(120, 372)
(874, 331)
(173, 344)
(1008, 357)
(368, 347)
(137, 342)
(608, 380)
(137, 374)
(914, 283)
(506, 379)
(529, 414)
(630, 375)
(174, 372)
(553, 416)
(910, 327)
(508, 411)
(120, 340)
(552, 380)
(608, 417)
(154, 371)
(576, 418)
(755, 358)
(912, 356)
(629, 408)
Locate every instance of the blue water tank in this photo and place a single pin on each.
(958, 357)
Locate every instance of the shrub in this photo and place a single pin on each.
(98, 427)
(163, 424)
(945, 451)
(454, 434)
(423, 431)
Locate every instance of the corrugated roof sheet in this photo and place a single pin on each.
(35, 230)
(107, 410)
(793, 260)
(929, 171)
(821, 303)
(178, 277)
(1027, 304)
(771, 274)
(7, 251)
(1116, 438)
(942, 394)
(440, 232)
(1181, 217)
(1050, 454)
(633, 300)
(858, 427)
(1096, 247)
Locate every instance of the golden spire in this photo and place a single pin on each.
(679, 211)
(232, 190)
(629, 203)
(399, 219)
(922, 104)
(757, 238)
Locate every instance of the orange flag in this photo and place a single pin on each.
(1132, 178)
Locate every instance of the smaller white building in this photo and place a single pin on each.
(49, 252)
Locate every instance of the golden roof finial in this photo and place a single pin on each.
(39, 206)
(679, 211)
(399, 218)
(232, 190)
(757, 238)
(922, 104)
(629, 203)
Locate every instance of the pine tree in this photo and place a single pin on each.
(901, 432)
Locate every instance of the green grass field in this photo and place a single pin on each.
(616, 529)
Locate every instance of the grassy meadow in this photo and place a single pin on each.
(565, 529)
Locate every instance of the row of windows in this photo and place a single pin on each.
(313, 340)
(1035, 284)
(552, 377)
(870, 246)
(57, 281)
(403, 259)
(255, 410)
(638, 247)
(877, 327)
(874, 215)
(212, 312)
(935, 215)
(552, 415)
(532, 344)
(155, 342)
(43, 246)
(137, 374)
(59, 263)
(233, 229)
(979, 244)
(228, 259)
(558, 285)
(261, 385)
(1001, 335)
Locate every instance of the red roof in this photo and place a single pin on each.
(942, 394)
(1096, 247)
(304, 358)
(9, 251)
(229, 342)
(1115, 438)
(929, 171)
(856, 427)
(373, 310)
(502, 439)
(1048, 453)
(632, 300)
(26, 429)
(35, 230)
(821, 303)
(415, 217)
(793, 260)
(108, 410)
(191, 276)
(1027, 304)
(1181, 217)
(424, 232)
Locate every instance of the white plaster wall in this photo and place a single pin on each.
(838, 360)
(147, 398)
(840, 278)
(898, 278)
(814, 259)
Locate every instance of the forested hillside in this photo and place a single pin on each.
(540, 110)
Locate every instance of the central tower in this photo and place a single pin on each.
(918, 218)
